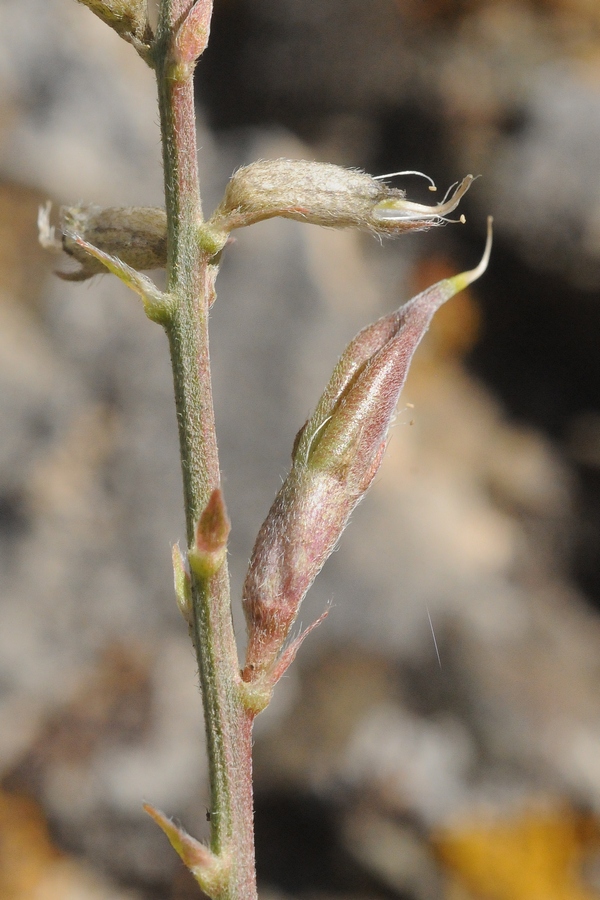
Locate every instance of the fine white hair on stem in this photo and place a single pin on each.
(432, 184)
(390, 210)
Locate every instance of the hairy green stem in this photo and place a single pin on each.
(190, 282)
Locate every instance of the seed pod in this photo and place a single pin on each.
(334, 461)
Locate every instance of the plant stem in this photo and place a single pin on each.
(190, 282)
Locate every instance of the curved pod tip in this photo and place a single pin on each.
(460, 282)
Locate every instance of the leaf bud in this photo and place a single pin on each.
(212, 532)
(210, 871)
(192, 36)
(324, 194)
(335, 459)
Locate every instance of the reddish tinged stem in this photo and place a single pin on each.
(190, 281)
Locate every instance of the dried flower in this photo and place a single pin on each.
(324, 194)
(135, 235)
(318, 193)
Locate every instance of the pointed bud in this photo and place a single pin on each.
(324, 194)
(123, 241)
(336, 457)
(212, 532)
(192, 36)
(210, 871)
(183, 586)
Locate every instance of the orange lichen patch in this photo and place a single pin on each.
(456, 325)
(540, 855)
(26, 852)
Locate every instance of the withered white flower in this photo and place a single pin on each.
(324, 194)
(135, 235)
(390, 210)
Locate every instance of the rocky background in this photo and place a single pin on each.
(382, 771)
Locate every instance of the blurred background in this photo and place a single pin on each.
(381, 772)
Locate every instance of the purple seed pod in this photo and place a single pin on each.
(335, 459)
